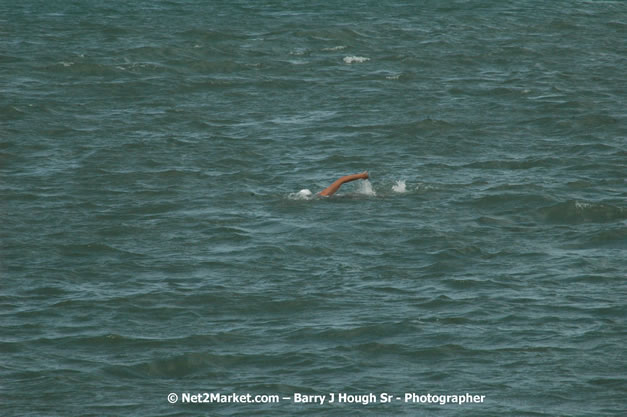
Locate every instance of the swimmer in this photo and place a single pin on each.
(332, 189)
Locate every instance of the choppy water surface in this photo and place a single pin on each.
(154, 240)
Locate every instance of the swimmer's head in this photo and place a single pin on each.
(301, 195)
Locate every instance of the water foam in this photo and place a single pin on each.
(399, 187)
(355, 59)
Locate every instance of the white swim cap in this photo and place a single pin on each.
(304, 193)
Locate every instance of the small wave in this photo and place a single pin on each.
(11, 112)
(425, 187)
(609, 238)
(355, 59)
(175, 367)
(303, 194)
(400, 186)
(583, 212)
(299, 51)
(513, 164)
(335, 48)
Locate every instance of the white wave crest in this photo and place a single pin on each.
(335, 48)
(580, 205)
(355, 59)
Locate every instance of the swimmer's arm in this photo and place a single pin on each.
(332, 189)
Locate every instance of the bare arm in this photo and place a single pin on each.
(332, 189)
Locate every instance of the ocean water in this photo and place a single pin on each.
(155, 239)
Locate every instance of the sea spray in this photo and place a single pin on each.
(365, 187)
(399, 187)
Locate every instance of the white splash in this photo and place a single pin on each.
(365, 187)
(355, 59)
(303, 194)
(580, 205)
(400, 186)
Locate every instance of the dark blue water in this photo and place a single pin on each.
(154, 241)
